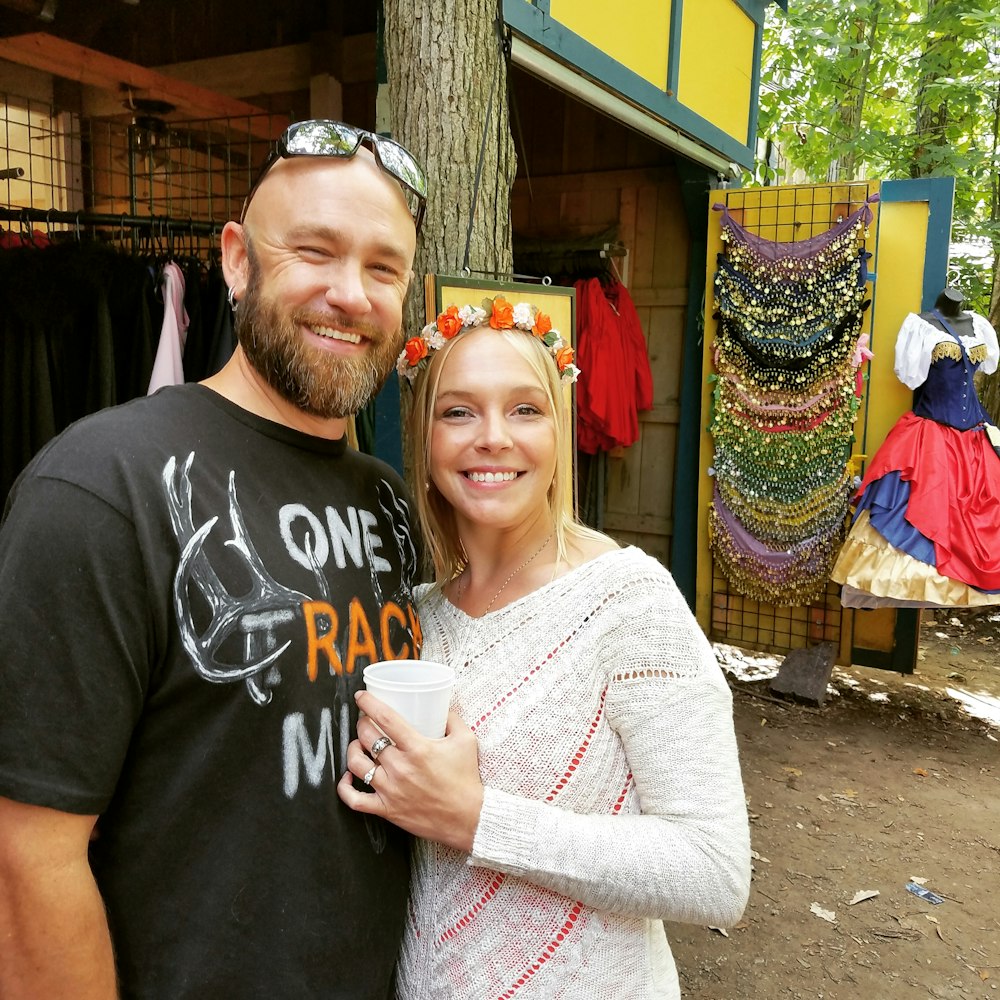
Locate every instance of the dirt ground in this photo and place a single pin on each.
(891, 781)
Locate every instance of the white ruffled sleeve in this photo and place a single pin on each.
(914, 344)
(989, 337)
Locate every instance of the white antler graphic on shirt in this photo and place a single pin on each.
(253, 615)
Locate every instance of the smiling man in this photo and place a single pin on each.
(190, 587)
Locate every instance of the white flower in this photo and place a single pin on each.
(435, 340)
(471, 316)
(570, 373)
(524, 315)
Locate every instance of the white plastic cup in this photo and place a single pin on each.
(420, 690)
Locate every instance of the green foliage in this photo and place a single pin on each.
(891, 89)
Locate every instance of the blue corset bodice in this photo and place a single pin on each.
(949, 393)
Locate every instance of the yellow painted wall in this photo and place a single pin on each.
(716, 64)
(902, 241)
(635, 33)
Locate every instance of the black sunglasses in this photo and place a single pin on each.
(321, 137)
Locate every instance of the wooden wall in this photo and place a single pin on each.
(579, 173)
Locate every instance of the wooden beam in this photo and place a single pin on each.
(594, 180)
(76, 62)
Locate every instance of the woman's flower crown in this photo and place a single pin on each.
(500, 315)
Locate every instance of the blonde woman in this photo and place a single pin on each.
(588, 786)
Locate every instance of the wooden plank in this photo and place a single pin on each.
(668, 413)
(76, 62)
(266, 71)
(656, 476)
(546, 183)
(627, 206)
(649, 524)
(665, 334)
(675, 297)
(578, 135)
(623, 482)
(645, 237)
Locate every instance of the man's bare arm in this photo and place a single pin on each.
(54, 939)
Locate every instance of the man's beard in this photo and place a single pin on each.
(318, 382)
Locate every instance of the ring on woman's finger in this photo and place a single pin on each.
(367, 779)
(378, 746)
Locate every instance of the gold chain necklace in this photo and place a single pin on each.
(503, 586)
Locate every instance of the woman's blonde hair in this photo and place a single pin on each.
(437, 518)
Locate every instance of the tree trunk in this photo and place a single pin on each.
(850, 111)
(447, 84)
(989, 385)
(931, 116)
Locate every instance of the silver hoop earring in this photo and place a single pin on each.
(231, 298)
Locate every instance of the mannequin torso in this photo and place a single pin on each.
(949, 303)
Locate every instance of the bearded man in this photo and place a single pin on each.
(190, 587)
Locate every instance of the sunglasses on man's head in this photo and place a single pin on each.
(322, 137)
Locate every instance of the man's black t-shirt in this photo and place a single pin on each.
(188, 597)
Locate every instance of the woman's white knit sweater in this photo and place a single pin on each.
(613, 793)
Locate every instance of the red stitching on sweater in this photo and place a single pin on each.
(546, 953)
(568, 773)
(617, 807)
(517, 687)
(491, 891)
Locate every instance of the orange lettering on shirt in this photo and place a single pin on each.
(321, 643)
(393, 612)
(360, 639)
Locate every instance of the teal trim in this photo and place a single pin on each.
(758, 45)
(754, 9)
(571, 49)
(696, 183)
(674, 50)
(389, 425)
(939, 193)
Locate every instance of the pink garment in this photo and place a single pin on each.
(168, 367)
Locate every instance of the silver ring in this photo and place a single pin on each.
(367, 779)
(378, 746)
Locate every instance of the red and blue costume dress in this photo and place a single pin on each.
(926, 529)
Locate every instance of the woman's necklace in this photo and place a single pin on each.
(503, 586)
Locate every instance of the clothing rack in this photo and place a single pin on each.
(577, 257)
(155, 225)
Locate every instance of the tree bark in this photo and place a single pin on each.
(850, 111)
(931, 116)
(989, 385)
(447, 84)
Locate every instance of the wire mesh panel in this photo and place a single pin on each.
(169, 178)
(785, 215)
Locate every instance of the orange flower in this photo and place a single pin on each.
(564, 358)
(542, 325)
(449, 322)
(503, 314)
(416, 350)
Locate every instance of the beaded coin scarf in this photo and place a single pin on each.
(785, 398)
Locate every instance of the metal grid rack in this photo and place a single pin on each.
(786, 214)
(139, 173)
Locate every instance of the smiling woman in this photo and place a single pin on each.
(587, 786)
